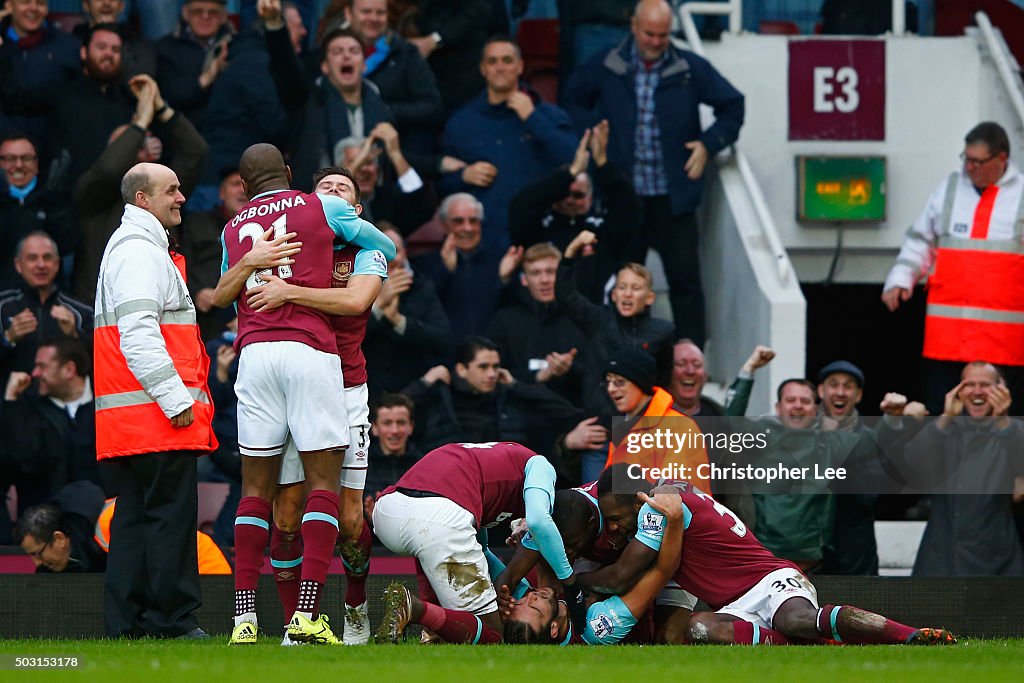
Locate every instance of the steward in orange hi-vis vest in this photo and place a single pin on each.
(968, 242)
(143, 379)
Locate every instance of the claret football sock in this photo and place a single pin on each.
(355, 557)
(319, 534)
(286, 560)
(252, 526)
(847, 624)
(746, 633)
(457, 627)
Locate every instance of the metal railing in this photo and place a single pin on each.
(1001, 57)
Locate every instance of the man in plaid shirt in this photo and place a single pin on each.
(650, 92)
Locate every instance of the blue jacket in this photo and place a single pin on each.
(521, 150)
(604, 88)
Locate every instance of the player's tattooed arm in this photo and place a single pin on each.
(617, 578)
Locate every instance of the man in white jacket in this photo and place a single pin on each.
(153, 413)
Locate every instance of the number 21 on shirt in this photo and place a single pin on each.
(254, 231)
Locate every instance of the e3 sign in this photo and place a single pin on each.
(837, 90)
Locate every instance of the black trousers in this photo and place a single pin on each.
(675, 238)
(152, 580)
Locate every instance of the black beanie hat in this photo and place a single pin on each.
(635, 365)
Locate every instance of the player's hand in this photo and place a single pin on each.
(449, 254)
(698, 159)
(586, 435)
(270, 13)
(480, 174)
(521, 104)
(584, 242)
(582, 159)
(22, 325)
(599, 143)
(272, 295)
(761, 356)
(505, 602)
(65, 319)
(894, 296)
(438, 373)
(518, 530)
(668, 504)
(893, 404)
(204, 299)
(268, 252)
(999, 399)
(17, 383)
(953, 405)
(509, 263)
(183, 419)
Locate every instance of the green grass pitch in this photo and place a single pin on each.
(977, 661)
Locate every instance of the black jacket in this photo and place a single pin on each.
(81, 114)
(393, 360)
(529, 414)
(13, 301)
(464, 25)
(45, 208)
(179, 62)
(608, 332)
(531, 220)
(409, 88)
(529, 331)
(385, 470)
(81, 504)
(41, 436)
(242, 109)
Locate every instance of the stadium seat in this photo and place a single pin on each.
(779, 27)
(538, 41)
(425, 239)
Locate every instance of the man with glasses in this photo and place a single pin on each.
(27, 204)
(968, 242)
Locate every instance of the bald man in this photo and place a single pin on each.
(650, 92)
(290, 381)
(153, 413)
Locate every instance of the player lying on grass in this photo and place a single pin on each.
(590, 544)
(539, 617)
(438, 509)
(756, 597)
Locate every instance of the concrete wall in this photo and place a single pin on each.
(936, 90)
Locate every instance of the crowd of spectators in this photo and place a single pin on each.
(517, 307)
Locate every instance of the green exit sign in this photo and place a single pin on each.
(839, 189)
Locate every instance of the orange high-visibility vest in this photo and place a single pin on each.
(128, 420)
(976, 290)
(661, 415)
(211, 559)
